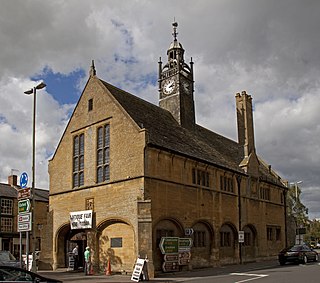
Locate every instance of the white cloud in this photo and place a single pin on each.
(269, 48)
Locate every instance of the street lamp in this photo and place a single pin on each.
(296, 206)
(34, 92)
(296, 188)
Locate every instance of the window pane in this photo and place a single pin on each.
(75, 180)
(106, 155)
(81, 179)
(100, 138)
(99, 175)
(76, 146)
(107, 135)
(81, 165)
(100, 157)
(81, 144)
(6, 206)
(75, 164)
(6, 224)
(106, 173)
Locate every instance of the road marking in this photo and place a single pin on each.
(256, 276)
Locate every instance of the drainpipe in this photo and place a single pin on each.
(239, 213)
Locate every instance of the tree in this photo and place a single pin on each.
(297, 212)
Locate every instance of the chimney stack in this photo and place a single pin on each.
(12, 180)
(250, 162)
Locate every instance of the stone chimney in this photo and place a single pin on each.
(12, 180)
(250, 161)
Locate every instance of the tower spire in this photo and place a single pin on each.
(175, 25)
(92, 71)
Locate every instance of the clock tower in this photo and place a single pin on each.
(176, 84)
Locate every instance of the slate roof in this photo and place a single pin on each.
(8, 191)
(164, 132)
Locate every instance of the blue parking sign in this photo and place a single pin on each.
(23, 180)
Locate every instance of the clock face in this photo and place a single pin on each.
(169, 86)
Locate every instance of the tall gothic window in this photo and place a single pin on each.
(78, 161)
(103, 154)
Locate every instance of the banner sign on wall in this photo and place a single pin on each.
(81, 219)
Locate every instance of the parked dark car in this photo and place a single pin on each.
(6, 258)
(298, 254)
(16, 274)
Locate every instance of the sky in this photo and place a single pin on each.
(269, 48)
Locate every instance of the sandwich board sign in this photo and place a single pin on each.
(140, 268)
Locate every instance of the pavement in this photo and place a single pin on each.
(72, 276)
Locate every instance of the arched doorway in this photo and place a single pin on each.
(116, 241)
(228, 240)
(250, 243)
(164, 228)
(203, 239)
(66, 240)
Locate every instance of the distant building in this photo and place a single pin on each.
(9, 234)
(127, 173)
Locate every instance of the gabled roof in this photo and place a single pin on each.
(164, 132)
(9, 191)
(201, 144)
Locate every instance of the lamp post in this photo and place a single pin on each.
(296, 205)
(33, 229)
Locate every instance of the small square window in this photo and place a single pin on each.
(90, 104)
(116, 242)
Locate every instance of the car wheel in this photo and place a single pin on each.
(282, 262)
(305, 259)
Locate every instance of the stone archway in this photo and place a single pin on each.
(65, 240)
(250, 243)
(228, 244)
(168, 227)
(203, 242)
(116, 242)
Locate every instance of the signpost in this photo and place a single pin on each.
(169, 245)
(24, 180)
(24, 193)
(241, 236)
(24, 215)
(177, 252)
(24, 206)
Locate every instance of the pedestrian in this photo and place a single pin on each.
(75, 252)
(87, 261)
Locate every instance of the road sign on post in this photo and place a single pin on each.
(169, 245)
(24, 206)
(24, 193)
(23, 180)
(241, 236)
(24, 222)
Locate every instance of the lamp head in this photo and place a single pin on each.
(41, 85)
(29, 92)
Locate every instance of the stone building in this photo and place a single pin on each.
(9, 233)
(127, 173)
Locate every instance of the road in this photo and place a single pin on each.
(265, 272)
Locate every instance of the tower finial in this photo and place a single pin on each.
(175, 25)
(92, 71)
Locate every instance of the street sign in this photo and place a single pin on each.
(184, 258)
(24, 193)
(170, 266)
(24, 206)
(188, 231)
(24, 227)
(241, 236)
(185, 244)
(25, 222)
(23, 180)
(169, 245)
